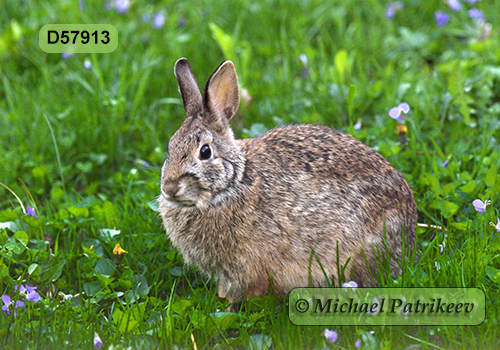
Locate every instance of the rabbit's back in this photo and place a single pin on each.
(315, 165)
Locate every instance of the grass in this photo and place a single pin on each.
(84, 148)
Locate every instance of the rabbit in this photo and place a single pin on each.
(258, 214)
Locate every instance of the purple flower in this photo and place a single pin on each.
(472, 1)
(159, 21)
(357, 344)
(350, 284)
(31, 212)
(331, 336)
(441, 248)
(476, 14)
(397, 113)
(146, 17)
(82, 5)
(87, 64)
(441, 18)
(455, 5)
(28, 292)
(68, 296)
(479, 205)
(122, 5)
(33, 296)
(7, 302)
(146, 164)
(97, 341)
(446, 162)
(391, 9)
(357, 126)
(66, 55)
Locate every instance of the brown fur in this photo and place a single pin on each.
(257, 209)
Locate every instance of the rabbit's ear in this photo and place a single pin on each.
(188, 86)
(221, 97)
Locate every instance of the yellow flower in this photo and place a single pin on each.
(118, 250)
(402, 129)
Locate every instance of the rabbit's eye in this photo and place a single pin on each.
(205, 152)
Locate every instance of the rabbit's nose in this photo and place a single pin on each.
(171, 188)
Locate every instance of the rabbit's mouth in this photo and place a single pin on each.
(177, 201)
